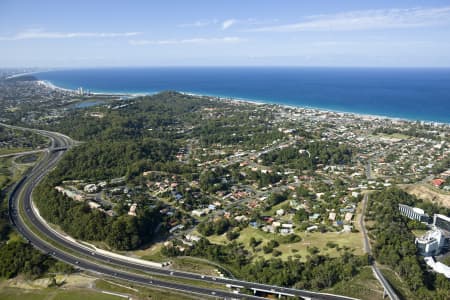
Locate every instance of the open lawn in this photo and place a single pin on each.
(350, 241)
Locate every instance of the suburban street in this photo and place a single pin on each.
(367, 247)
(88, 259)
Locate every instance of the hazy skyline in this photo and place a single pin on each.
(216, 33)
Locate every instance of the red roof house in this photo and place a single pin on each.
(437, 182)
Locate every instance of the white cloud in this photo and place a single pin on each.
(40, 34)
(367, 20)
(187, 41)
(200, 23)
(225, 24)
(228, 23)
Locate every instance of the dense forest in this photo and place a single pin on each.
(19, 257)
(394, 244)
(306, 156)
(110, 159)
(10, 138)
(415, 131)
(225, 132)
(124, 142)
(156, 116)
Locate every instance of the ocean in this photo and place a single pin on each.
(415, 94)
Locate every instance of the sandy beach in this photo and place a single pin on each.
(309, 109)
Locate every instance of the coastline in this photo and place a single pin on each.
(50, 85)
(366, 116)
(21, 74)
(315, 109)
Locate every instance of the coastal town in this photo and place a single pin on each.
(285, 182)
(235, 150)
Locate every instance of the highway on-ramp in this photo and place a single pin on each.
(23, 213)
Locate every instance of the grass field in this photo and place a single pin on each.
(88, 289)
(53, 294)
(188, 264)
(363, 286)
(152, 253)
(397, 284)
(13, 150)
(418, 232)
(194, 265)
(428, 193)
(10, 172)
(350, 241)
(5, 172)
(141, 292)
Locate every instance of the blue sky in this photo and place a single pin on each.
(233, 32)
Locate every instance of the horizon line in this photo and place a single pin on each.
(221, 66)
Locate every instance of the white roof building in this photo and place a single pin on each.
(413, 213)
(132, 211)
(332, 216)
(280, 212)
(348, 217)
(311, 228)
(90, 188)
(93, 205)
(430, 243)
(438, 267)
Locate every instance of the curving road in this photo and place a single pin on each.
(85, 258)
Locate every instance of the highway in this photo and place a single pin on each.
(85, 258)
